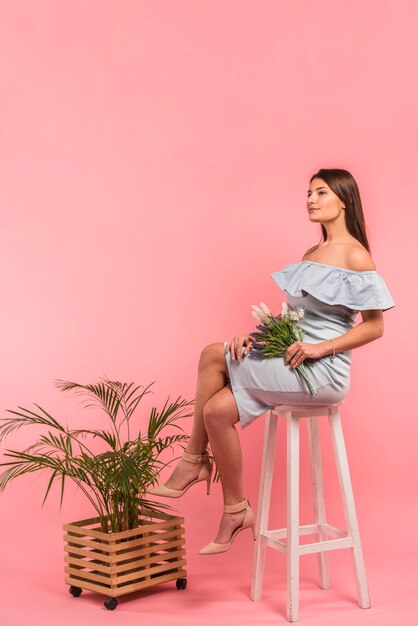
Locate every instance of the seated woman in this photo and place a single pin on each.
(333, 281)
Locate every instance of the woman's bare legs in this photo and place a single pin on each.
(211, 378)
(220, 416)
(215, 417)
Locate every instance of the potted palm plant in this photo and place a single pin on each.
(131, 543)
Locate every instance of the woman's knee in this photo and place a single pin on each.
(212, 415)
(212, 354)
(219, 413)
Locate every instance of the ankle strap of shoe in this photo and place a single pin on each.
(235, 508)
(195, 458)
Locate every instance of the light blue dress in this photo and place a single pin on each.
(331, 297)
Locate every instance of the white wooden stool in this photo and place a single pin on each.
(286, 540)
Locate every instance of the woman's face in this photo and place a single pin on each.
(322, 203)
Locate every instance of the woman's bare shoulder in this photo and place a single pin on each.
(360, 259)
(308, 252)
(353, 257)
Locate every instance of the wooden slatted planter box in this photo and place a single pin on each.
(114, 564)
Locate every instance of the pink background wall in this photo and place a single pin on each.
(154, 162)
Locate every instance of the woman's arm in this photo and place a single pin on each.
(369, 329)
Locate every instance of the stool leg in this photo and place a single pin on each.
(263, 508)
(318, 497)
(349, 506)
(293, 531)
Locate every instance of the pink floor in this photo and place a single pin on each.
(33, 591)
(218, 592)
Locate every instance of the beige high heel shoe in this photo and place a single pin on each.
(247, 522)
(204, 474)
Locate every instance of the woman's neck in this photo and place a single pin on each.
(337, 232)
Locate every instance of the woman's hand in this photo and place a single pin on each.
(236, 345)
(299, 351)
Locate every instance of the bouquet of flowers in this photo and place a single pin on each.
(276, 334)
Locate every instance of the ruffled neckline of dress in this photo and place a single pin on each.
(359, 290)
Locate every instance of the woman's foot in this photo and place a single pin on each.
(236, 518)
(191, 469)
(229, 522)
(183, 474)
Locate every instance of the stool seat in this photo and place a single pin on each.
(303, 410)
(329, 537)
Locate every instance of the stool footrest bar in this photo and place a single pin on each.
(274, 539)
(332, 531)
(307, 529)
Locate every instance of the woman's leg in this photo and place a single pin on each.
(211, 378)
(220, 416)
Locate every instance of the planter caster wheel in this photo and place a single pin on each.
(75, 591)
(111, 604)
(181, 583)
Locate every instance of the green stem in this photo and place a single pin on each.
(302, 369)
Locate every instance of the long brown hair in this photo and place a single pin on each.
(345, 187)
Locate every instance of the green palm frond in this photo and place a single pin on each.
(130, 396)
(25, 417)
(115, 480)
(168, 416)
(109, 438)
(133, 398)
(106, 396)
(162, 444)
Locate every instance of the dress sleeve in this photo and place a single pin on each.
(356, 290)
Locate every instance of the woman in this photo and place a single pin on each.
(335, 279)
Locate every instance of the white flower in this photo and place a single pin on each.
(285, 308)
(261, 314)
(258, 313)
(301, 313)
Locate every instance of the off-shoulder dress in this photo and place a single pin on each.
(331, 297)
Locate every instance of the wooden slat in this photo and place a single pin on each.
(112, 537)
(333, 531)
(164, 516)
(137, 564)
(120, 547)
(84, 584)
(140, 555)
(88, 554)
(317, 481)
(300, 411)
(309, 548)
(147, 572)
(90, 564)
(123, 546)
(80, 527)
(76, 573)
(148, 528)
(84, 522)
(263, 508)
(323, 546)
(77, 541)
(120, 591)
(72, 529)
(276, 544)
(144, 513)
